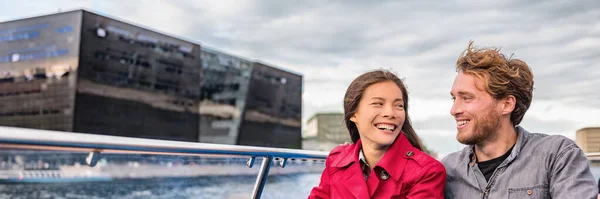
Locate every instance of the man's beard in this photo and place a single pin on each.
(485, 129)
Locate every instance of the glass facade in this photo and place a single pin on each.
(223, 96)
(38, 57)
(82, 72)
(136, 82)
(273, 113)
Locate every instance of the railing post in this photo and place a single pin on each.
(250, 162)
(92, 158)
(261, 179)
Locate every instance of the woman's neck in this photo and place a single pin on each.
(373, 153)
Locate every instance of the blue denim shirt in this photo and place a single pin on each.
(539, 166)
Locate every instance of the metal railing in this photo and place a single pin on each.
(21, 138)
(593, 156)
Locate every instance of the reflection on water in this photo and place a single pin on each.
(229, 187)
(279, 186)
(149, 176)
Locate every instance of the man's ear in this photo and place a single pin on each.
(508, 104)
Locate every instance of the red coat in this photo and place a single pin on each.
(409, 173)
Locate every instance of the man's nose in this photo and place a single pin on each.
(456, 109)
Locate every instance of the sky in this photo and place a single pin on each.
(332, 42)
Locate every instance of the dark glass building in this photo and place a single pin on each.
(82, 72)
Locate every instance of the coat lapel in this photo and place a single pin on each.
(396, 157)
(355, 183)
(353, 180)
(394, 161)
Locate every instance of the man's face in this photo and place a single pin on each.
(476, 112)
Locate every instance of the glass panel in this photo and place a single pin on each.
(295, 180)
(56, 174)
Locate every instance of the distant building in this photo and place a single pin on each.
(324, 131)
(82, 72)
(588, 139)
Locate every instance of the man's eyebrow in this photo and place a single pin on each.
(465, 93)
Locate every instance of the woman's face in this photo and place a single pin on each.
(380, 114)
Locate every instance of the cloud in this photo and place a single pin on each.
(332, 42)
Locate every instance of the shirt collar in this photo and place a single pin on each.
(522, 138)
(362, 158)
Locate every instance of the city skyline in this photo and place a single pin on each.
(331, 43)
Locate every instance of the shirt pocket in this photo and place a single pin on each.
(533, 192)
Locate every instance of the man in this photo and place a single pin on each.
(491, 94)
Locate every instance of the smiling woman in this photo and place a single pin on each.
(385, 159)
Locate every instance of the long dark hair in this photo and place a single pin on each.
(354, 95)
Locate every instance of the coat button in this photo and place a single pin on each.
(384, 175)
(410, 153)
(529, 192)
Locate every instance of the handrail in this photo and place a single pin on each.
(592, 154)
(12, 137)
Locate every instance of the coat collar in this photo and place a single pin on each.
(390, 161)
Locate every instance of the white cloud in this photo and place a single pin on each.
(332, 42)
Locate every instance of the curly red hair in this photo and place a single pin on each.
(501, 76)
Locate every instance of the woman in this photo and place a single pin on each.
(385, 159)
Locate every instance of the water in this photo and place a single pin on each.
(229, 187)
(158, 176)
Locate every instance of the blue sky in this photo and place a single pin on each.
(332, 42)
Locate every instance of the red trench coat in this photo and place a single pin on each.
(403, 172)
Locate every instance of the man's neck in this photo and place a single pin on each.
(373, 154)
(506, 139)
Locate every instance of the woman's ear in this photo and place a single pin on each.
(353, 118)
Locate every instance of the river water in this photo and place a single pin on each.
(230, 187)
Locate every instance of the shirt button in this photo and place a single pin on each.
(384, 175)
(529, 192)
(410, 153)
